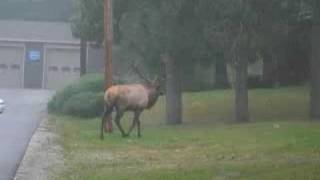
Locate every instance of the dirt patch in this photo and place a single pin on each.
(43, 159)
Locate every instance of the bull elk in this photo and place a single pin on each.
(132, 97)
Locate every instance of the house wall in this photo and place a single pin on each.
(254, 70)
(49, 66)
(95, 56)
(62, 65)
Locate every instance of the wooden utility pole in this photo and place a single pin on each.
(108, 40)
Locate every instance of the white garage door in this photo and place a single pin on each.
(62, 67)
(11, 67)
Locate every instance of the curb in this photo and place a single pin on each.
(43, 158)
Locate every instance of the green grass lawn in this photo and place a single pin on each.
(280, 143)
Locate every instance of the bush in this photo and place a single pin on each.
(85, 104)
(89, 83)
(82, 98)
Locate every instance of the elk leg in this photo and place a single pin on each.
(139, 128)
(139, 124)
(106, 116)
(102, 128)
(134, 122)
(103, 123)
(132, 126)
(118, 118)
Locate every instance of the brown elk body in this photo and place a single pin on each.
(133, 97)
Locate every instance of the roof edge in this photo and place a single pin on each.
(40, 41)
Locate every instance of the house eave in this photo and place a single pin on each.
(39, 41)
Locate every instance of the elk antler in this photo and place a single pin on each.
(136, 70)
(161, 75)
(155, 79)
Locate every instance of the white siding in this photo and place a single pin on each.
(62, 67)
(11, 66)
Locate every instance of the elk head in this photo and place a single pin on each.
(155, 84)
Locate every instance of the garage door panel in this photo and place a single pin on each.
(11, 67)
(60, 67)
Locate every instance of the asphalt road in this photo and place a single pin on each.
(24, 111)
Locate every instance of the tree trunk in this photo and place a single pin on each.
(241, 91)
(270, 72)
(315, 74)
(83, 57)
(221, 77)
(268, 78)
(108, 40)
(173, 91)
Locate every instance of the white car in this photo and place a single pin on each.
(2, 106)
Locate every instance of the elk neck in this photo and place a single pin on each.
(153, 96)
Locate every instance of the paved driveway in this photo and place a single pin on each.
(25, 109)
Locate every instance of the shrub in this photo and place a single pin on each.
(88, 83)
(85, 104)
(82, 98)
